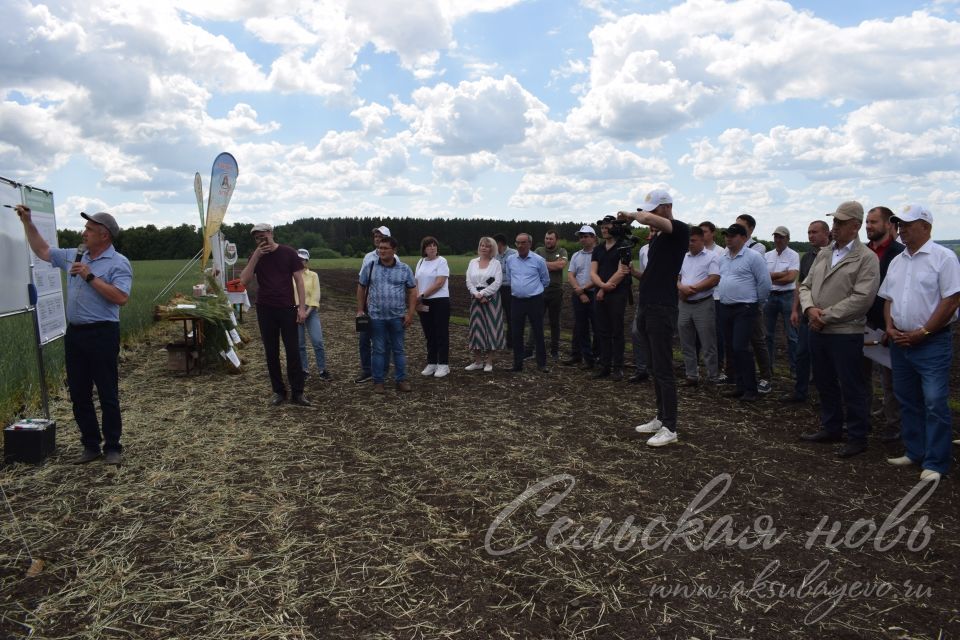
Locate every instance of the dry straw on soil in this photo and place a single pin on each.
(365, 516)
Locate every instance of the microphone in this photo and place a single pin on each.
(82, 249)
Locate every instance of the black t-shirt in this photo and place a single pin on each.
(608, 261)
(274, 273)
(659, 282)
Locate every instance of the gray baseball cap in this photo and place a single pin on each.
(105, 219)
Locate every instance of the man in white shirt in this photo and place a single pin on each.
(709, 244)
(699, 275)
(783, 263)
(922, 293)
(583, 344)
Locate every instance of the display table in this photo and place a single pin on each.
(187, 356)
(240, 301)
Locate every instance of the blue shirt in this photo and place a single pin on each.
(502, 259)
(387, 295)
(84, 304)
(528, 276)
(743, 278)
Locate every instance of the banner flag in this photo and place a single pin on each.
(223, 178)
(198, 189)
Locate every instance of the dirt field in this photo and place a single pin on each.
(395, 516)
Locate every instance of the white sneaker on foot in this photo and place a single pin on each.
(442, 370)
(474, 366)
(429, 370)
(662, 438)
(902, 461)
(929, 475)
(488, 367)
(649, 427)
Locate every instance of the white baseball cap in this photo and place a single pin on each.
(262, 226)
(382, 231)
(913, 212)
(304, 254)
(656, 198)
(586, 229)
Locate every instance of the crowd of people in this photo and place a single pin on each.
(900, 290)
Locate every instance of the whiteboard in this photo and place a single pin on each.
(14, 259)
(51, 317)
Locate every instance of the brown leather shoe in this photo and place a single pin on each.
(378, 388)
(404, 387)
(88, 455)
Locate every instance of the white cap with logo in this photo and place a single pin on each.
(913, 212)
(304, 254)
(656, 198)
(586, 229)
(385, 232)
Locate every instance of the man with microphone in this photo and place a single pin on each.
(99, 284)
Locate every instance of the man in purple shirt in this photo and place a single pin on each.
(277, 269)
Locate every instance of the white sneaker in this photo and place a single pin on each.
(474, 366)
(429, 370)
(662, 438)
(929, 475)
(488, 367)
(764, 386)
(649, 427)
(902, 461)
(442, 370)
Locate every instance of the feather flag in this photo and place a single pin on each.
(223, 178)
(198, 189)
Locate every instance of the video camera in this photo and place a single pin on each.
(621, 231)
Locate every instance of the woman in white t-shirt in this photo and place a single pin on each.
(433, 306)
(485, 334)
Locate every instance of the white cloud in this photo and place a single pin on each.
(656, 73)
(907, 137)
(484, 115)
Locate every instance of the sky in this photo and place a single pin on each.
(511, 109)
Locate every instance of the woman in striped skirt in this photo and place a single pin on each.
(485, 334)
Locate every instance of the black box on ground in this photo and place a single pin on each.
(29, 440)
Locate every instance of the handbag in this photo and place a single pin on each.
(363, 322)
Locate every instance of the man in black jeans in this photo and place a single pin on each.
(278, 269)
(657, 311)
(98, 285)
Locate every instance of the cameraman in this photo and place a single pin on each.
(657, 308)
(612, 281)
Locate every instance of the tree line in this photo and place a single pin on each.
(352, 237)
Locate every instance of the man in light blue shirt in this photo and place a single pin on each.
(99, 284)
(744, 286)
(528, 278)
(365, 338)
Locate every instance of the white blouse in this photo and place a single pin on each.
(477, 278)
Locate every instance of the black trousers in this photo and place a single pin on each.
(552, 303)
(524, 308)
(91, 356)
(610, 312)
(278, 323)
(584, 344)
(838, 375)
(656, 325)
(436, 330)
(739, 321)
(507, 305)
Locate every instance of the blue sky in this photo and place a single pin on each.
(515, 109)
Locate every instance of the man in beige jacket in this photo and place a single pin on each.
(835, 298)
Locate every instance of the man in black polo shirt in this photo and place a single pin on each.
(657, 311)
(613, 288)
